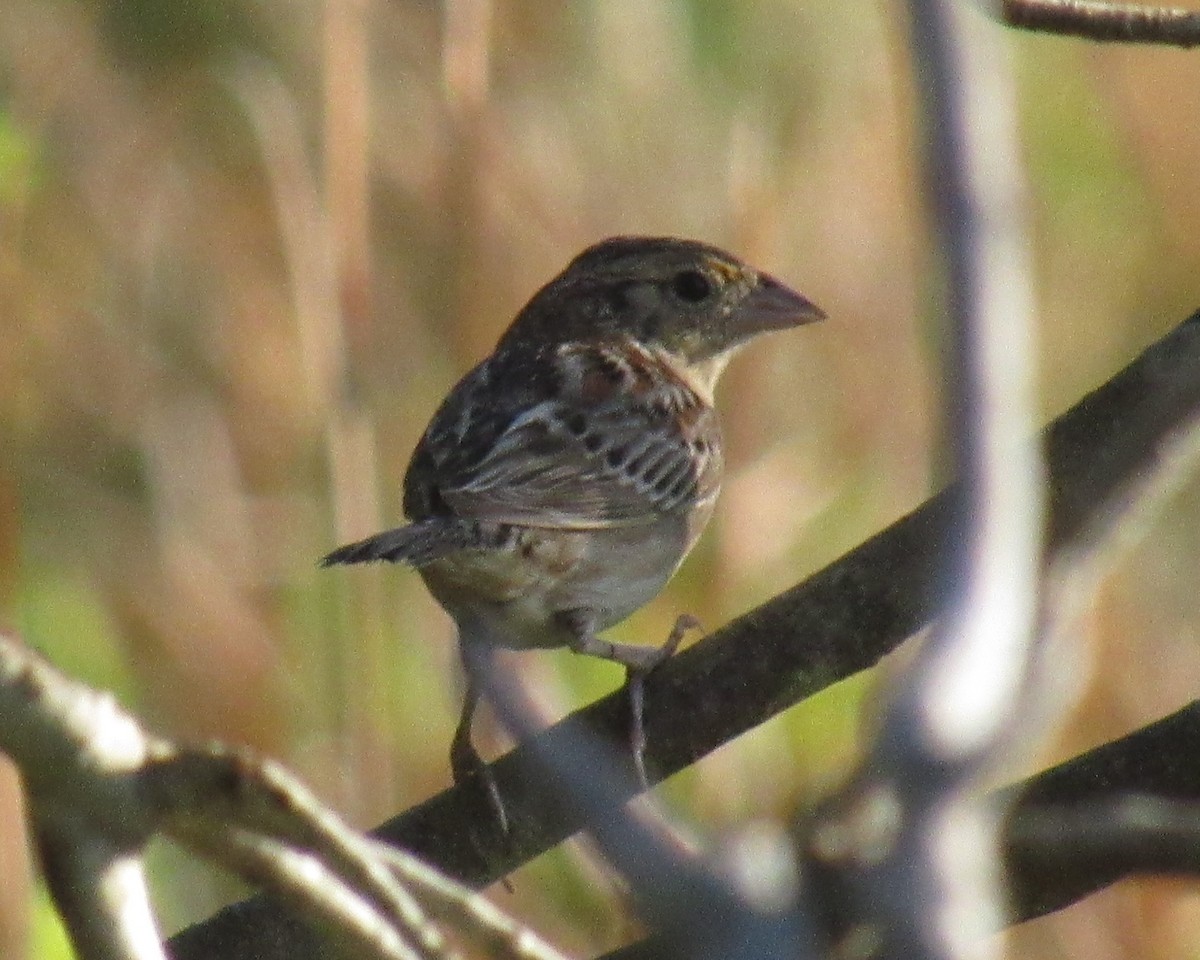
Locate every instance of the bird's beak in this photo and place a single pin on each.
(775, 306)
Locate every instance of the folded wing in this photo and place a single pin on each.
(619, 440)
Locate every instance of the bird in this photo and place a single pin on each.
(563, 480)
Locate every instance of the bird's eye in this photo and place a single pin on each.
(692, 286)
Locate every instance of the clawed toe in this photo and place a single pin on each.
(635, 684)
(684, 624)
(639, 662)
(467, 766)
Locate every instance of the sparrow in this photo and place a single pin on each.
(564, 479)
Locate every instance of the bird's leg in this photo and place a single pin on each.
(635, 684)
(465, 761)
(638, 663)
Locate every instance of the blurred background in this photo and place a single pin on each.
(247, 245)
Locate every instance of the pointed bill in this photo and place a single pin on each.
(775, 306)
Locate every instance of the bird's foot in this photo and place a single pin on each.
(639, 662)
(468, 767)
(635, 686)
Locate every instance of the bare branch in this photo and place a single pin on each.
(497, 934)
(1152, 762)
(78, 755)
(101, 894)
(1102, 455)
(696, 907)
(100, 788)
(209, 796)
(1107, 22)
(351, 925)
(1135, 833)
(1149, 768)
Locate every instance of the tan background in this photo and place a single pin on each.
(245, 247)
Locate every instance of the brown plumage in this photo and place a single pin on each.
(564, 479)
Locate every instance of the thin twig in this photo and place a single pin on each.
(1106, 22)
(100, 788)
(907, 851)
(351, 924)
(221, 803)
(958, 700)
(100, 892)
(461, 909)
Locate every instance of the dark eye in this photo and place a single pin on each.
(692, 286)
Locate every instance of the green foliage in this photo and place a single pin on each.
(149, 34)
(67, 619)
(208, 230)
(48, 938)
(18, 161)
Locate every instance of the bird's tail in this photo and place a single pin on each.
(416, 544)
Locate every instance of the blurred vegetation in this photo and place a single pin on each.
(245, 247)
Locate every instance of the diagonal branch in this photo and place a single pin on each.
(1155, 763)
(1100, 454)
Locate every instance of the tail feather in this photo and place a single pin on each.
(416, 544)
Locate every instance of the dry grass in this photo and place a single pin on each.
(245, 247)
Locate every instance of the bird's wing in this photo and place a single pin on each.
(620, 440)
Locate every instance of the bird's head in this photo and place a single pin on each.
(685, 298)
